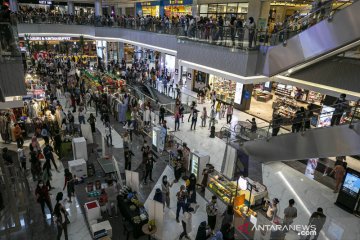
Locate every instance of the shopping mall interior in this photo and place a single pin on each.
(173, 119)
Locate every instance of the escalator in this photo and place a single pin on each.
(324, 142)
(337, 32)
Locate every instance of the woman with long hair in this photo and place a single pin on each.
(69, 184)
(61, 217)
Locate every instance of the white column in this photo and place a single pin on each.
(70, 8)
(13, 5)
(194, 8)
(98, 8)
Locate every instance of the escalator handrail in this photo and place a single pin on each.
(286, 30)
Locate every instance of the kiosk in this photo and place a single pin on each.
(80, 148)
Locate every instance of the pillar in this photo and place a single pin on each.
(121, 50)
(70, 8)
(98, 8)
(259, 10)
(194, 8)
(13, 5)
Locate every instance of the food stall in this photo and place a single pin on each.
(231, 192)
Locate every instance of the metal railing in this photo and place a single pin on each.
(296, 24)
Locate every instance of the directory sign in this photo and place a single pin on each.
(238, 93)
(195, 165)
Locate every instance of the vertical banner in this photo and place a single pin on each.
(156, 212)
(311, 167)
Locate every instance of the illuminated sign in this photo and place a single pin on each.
(49, 38)
(44, 2)
(146, 4)
(176, 1)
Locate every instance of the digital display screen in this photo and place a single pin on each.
(325, 116)
(351, 184)
(195, 165)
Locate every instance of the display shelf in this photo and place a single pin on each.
(222, 187)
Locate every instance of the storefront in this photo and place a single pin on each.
(226, 10)
(177, 8)
(227, 91)
(148, 8)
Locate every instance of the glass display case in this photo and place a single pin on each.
(222, 187)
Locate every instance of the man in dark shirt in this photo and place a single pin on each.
(128, 155)
(48, 153)
(317, 219)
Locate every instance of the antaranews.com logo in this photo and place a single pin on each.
(302, 230)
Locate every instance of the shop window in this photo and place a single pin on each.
(212, 8)
(243, 7)
(221, 8)
(232, 8)
(204, 8)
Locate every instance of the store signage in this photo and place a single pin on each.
(146, 4)
(238, 92)
(176, 2)
(45, 2)
(49, 38)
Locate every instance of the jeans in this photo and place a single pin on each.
(48, 204)
(228, 118)
(193, 123)
(177, 124)
(203, 122)
(81, 119)
(179, 206)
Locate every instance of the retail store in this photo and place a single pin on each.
(80, 9)
(285, 100)
(226, 10)
(177, 8)
(227, 91)
(148, 8)
(279, 11)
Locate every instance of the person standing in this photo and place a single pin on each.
(177, 120)
(112, 193)
(187, 223)
(339, 171)
(317, 219)
(212, 117)
(35, 166)
(229, 113)
(48, 153)
(276, 124)
(61, 217)
(212, 211)
(251, 26)
(69, 184)
(149, 165)
(108, 135)
(192, 188)
(165, 187)
(272, 210)
(18, 135)
(203, 117)
(92, 121)
(81, 115)
(290, 213)
(128, 154)
(194, 118)
(47, 175)
(341, 105)
(161, 114)
(181, 197)
(298, 120)
(253, 128)
(42, 197)
(181, 112)
(228, 216)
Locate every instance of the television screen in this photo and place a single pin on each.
(351, 184)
